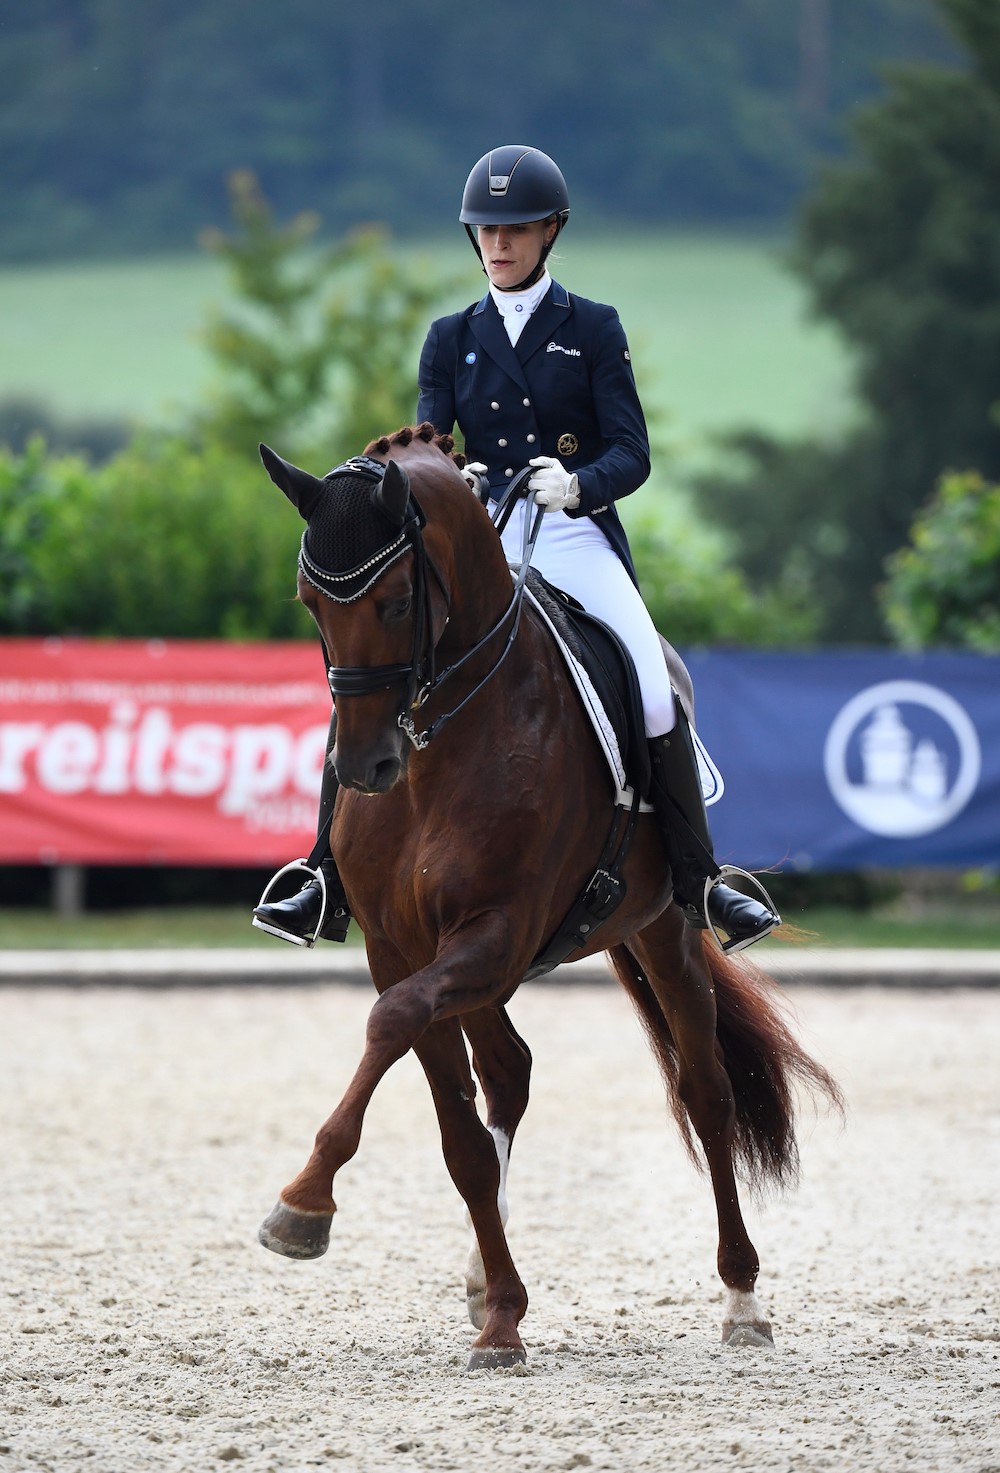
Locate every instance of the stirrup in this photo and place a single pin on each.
(735, 944)
(314, 874)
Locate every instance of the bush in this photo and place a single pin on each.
(164, 540)
(696, 597)
(944, 587)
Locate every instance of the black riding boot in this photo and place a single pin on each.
(675, 793)
(295, 919)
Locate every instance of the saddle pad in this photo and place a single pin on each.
(612, 735)
(616, 713)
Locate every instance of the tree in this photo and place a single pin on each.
(944, 585)
(119, 121)
(318, 355)
(900, 247)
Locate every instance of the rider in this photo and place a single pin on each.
(536, 377)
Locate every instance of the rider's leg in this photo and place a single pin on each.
(295, 919)
(676, 795)
(581, 561)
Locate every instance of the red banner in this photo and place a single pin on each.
(153, 752)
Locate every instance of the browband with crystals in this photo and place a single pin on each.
(340, 586)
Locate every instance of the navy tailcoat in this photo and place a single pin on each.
(565, 389)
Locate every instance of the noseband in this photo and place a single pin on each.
(420, 676)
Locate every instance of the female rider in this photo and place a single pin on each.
(536, 377)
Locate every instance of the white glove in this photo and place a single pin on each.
(470, 474)
(555, 489)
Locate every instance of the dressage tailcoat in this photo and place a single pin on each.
(565, 389)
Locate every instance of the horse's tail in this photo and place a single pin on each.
(761, 1056)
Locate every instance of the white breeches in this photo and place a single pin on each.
(575, 556)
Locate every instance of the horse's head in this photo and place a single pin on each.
(380, 597)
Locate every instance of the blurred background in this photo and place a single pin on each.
(225, 222)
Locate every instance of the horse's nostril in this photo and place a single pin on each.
(381, 777)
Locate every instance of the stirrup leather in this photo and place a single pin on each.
(314, 874)
(724, 873)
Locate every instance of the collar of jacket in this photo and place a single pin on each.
(487, 325)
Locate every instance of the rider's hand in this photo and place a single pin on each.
(471, 473)
(554, 487)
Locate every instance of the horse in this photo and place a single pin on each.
(474, 802)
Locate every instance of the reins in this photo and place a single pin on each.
(421, 675)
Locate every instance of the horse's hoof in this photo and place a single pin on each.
(743, 1335)
(296, 1234)
(491, 1358)
(475, 1303)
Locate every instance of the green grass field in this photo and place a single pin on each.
(949, 926)
(718, 330)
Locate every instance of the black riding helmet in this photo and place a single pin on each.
(514, 185)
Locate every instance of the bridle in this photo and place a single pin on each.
(420, 675)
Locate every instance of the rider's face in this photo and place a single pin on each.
(511, 252)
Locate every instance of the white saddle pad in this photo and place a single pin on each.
(712, 785)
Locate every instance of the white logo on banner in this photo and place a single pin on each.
(903, 782)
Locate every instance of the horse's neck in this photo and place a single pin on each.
(479, 579)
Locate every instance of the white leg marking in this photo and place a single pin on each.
(475, 1272)
(744, 1321)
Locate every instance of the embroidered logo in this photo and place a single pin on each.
(570, 352)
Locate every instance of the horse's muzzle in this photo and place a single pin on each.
(369, 773)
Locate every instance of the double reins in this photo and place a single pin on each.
(421, 676)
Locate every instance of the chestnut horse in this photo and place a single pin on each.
(463, 842)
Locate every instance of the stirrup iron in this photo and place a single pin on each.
(724, 874)
(314, 874)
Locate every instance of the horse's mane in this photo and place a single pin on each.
(385, 444)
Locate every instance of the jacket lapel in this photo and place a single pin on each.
(552, 312)
(489, 331)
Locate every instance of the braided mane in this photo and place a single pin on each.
(405, 436)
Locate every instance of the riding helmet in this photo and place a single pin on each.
(512, 185)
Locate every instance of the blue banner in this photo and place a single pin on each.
(843, 760)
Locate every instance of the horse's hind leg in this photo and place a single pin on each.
(502, 1062)
(474, 1168)
(673, 989)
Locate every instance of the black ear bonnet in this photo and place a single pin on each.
(358, 527)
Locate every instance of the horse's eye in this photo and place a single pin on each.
(397, 610)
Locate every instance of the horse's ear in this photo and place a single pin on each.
(302, 489)
(393, 494)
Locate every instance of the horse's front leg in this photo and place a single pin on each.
(502, 1062)
(476, 1171)
(299, 1225)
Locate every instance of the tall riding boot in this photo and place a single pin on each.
(296, 918)
(676, 795)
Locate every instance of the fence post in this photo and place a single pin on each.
(68, 885)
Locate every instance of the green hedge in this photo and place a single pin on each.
(176, 540)
(163, 540)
